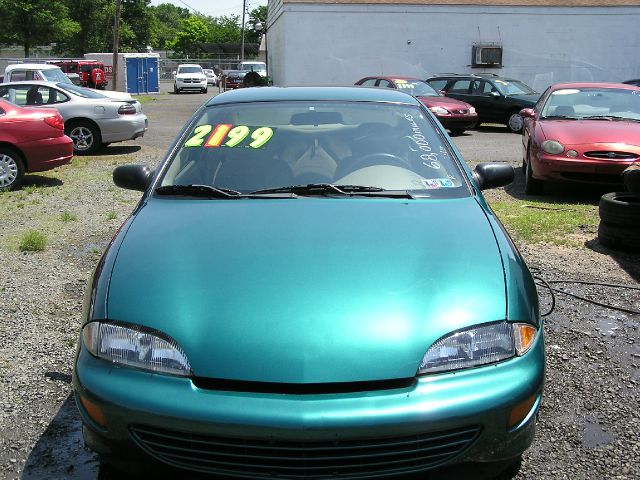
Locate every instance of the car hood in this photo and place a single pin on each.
(529, 99)
(580, 132)
(446, 102)
(191, 75)
(307, 290)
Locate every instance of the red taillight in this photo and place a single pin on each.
(56, 122)
(127, 109)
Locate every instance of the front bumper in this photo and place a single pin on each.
(458, 121)
(191, 84)
(182, 425)
(560, 168)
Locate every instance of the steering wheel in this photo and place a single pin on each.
(369, 160)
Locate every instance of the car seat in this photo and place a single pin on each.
(247, 169)
(564, 110)
(34, 97)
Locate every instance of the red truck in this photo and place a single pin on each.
(93, 74)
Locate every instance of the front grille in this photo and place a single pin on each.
(592, 177)
(460, 112)
(260, 458)
(611, 155)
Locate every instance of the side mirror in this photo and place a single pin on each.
(173, 73)
(133, 177)
(527, 113)
(492, 175)
(495, 94)
(443, 92)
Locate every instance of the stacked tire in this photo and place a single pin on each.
(620, 221)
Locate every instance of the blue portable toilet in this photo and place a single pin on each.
(137, 72)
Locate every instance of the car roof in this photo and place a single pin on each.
(559, 86)
(282, 94)
(486, 76)
(393, 77)
(45, 83)
(189, 65)
(32, 66)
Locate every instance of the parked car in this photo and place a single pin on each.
(92, 73)
(455, 115)
(189, 77)
(232, 79)
(296, 293)
(496, 99)
(635, 82)
(581, 132)
(53, 73)
(31, 140)
(259, 67)
(212, 78)
(90, 119)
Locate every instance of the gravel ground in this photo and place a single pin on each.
(589, 422)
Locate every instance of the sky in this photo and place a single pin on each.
(214, 8)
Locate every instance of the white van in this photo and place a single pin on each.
(259, 67)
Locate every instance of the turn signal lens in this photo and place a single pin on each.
(523, 336)
(520, 411)
(127, 109)
(572, 154)
(94, 411)
(55, 121)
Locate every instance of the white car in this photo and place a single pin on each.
(258, 67)
(212, 78)
(189, 76)
(90, 119)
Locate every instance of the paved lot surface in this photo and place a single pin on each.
(589, 422)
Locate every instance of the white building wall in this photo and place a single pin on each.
(337, 44)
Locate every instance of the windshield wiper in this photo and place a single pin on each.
(610, 118)
(555, 117)
(198, 191)
(343, 190)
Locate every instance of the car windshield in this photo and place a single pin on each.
(253, 66)
(417, 88)
(266, 145)
(56, 75)
(189, 70)
(513, 87)
(592, 102)
(80, 91)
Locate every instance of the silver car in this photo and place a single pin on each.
(91, 119)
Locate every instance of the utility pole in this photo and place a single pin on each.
(116, 46)
(244, 9)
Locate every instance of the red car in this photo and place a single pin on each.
(31, 140)
(581, 132)
(232, 79)
(455, 115)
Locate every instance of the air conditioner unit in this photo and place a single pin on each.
(486, 55)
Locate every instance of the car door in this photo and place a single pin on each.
(487, 100)
(460, 90)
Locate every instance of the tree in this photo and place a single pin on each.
(167, 20)
(35, 22)
(256, 15)
(193, 30)
(225, 29)
(95, 18)
(136, 25)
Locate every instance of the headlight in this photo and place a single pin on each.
(552, 146)
(135, 348)
(472, 110)
(477, 346)
(439, 110)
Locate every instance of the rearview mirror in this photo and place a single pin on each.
(133, 177)
(493, 175)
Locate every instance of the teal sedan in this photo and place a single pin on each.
(311, 286)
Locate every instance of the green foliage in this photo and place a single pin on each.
(546, 221)
(112, 215)
(95, 18)
(67, 216)
(256, 15)
(35, 22)
(167, 20)
(192, 30)
(32, 241)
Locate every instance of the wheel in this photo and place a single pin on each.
(205, 90)
(532, 186)
(457, 131)
(619, 238)
(11, 169)
(631, 178)
(176, 90)
(514, 121)
(86, 137)
(620, 208)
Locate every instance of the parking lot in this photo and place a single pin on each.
(589, 425)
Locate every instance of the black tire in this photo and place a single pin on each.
(205, 90)
(631, 179)
(85, 135)
(619, 238)
(532, 186)
(620, 208)
(457, 131)
(11, 169)
(514, 121)
(176, 90)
